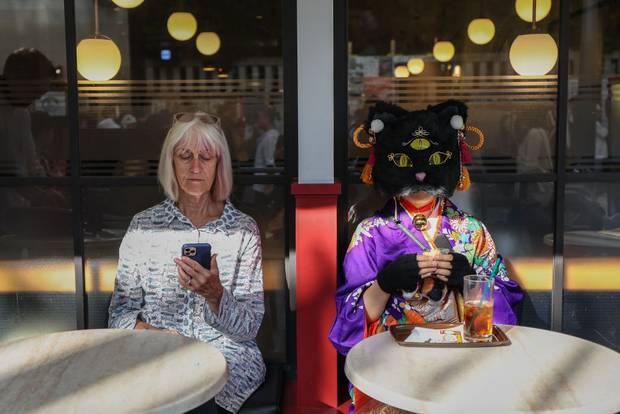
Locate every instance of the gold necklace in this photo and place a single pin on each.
(431, 240)
(418, 215)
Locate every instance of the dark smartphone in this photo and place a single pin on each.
(200, 252)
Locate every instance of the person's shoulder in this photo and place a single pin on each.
(368, 229)
(237, 220)
(456, 214)
(157, 214)
(273, 133)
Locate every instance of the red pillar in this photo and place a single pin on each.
(316, 273)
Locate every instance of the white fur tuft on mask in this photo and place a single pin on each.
(376, 126)
(457, 122)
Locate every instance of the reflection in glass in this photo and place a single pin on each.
(37, 282)
(33, 131)
(236, 74)
(593, 136)
(516, 113)
(592, 260)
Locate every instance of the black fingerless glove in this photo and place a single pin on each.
(460, 268)
(401, 274)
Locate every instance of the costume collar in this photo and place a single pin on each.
(426, 209)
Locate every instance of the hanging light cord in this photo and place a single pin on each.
(533, 15)
(96, 18)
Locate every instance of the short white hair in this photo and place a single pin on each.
(213, 138)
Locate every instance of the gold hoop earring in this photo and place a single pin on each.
(478, 132)
(356, 139)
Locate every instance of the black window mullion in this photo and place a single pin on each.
(76, 193)
(557, 292)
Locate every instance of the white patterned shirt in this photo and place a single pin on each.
(147, 285)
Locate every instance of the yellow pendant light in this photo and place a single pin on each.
(481, 31)
(525, 9)
(415, 66)
(208, 43)
(128, 4)
(182, 25)
(401, 71)
(443, 51)
(533, 54)
(98, 58)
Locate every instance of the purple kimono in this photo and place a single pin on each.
(377, 241)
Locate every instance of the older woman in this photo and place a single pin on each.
(156, 289)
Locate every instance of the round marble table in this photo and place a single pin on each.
(108, 371)
(542, 372)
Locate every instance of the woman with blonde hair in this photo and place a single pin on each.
(158, 289)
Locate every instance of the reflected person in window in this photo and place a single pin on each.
(156, 289)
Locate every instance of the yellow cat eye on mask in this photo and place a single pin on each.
(438, 158)
(400, 160)
(420, 141)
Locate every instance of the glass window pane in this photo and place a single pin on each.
(593, 139)
(519, 217)
(37, 282)
(124, 121)
(592, 260)
(108, 211)
(34, 137)
(516, 113)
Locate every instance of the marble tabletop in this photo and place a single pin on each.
(108, 371)
(542, 371)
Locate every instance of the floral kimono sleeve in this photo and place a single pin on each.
(360, 269)
(507, 292)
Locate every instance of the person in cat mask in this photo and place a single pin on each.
(406, 263)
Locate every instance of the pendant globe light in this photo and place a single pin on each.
(415, 66)
(443, 50)
(533, 54)
(128, 4)
(182, 25)
(401, 71)
(525, 9)
(98, 58)
(481, 30)
(208, 43)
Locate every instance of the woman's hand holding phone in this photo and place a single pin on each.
(206, 282)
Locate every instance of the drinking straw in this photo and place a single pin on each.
(491, 277)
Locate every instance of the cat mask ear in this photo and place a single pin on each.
(452, 112)
(379, 115)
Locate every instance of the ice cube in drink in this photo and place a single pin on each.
(478, 321)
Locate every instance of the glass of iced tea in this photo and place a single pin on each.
(478, 298)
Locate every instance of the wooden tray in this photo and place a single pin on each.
(401, 332)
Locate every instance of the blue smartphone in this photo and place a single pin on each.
(200, 252)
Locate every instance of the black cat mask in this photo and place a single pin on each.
(419, 150)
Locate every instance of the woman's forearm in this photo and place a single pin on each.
(375, 300)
